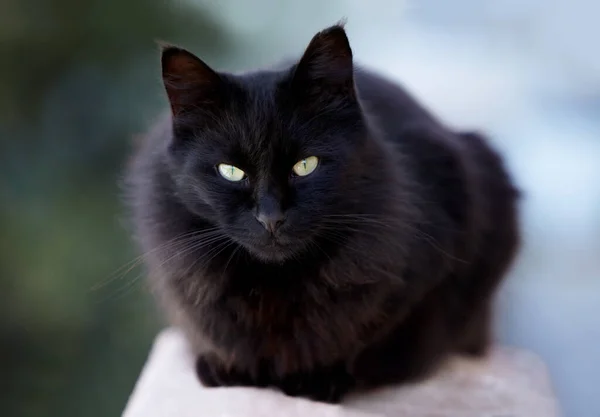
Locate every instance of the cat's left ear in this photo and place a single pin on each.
(326, 68)
(189, 82)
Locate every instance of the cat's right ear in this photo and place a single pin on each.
(189, 82)
(325, 71)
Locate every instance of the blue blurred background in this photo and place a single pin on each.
(80, 79)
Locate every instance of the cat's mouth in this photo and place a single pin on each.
(274, 249)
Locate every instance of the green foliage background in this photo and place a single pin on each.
(78, 79)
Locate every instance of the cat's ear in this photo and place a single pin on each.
(190, 83)
(326, 66)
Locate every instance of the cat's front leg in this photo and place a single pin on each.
(323, 383)
(214, 373)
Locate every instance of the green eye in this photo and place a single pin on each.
(231, 173)
(306, 166)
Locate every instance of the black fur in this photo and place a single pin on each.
(389, 253)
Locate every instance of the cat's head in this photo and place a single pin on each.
(274, 159)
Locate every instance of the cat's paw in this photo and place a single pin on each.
(213, 373)
(326, 384)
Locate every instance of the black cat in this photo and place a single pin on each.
(314, 228)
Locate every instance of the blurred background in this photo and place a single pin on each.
(80, 79)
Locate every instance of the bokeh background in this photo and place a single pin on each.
(80, 79)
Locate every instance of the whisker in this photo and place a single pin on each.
(354, 220)
(230, 259)
(212, 250)
(188, 246)
(125, 269)
(129, 266)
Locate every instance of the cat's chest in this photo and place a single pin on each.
(289, 319)
(274, 295)
(289, 327)
(275, 308)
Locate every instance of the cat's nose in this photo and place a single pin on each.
(270, 221)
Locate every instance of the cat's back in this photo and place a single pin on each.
(460, 170)
(435, 151)
(389, 104)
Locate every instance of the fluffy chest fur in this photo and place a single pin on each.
(294, 315)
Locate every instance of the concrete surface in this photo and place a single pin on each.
(509, 383)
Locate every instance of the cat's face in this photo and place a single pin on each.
(268, 157)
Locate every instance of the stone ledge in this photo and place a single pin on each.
(509, 383)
